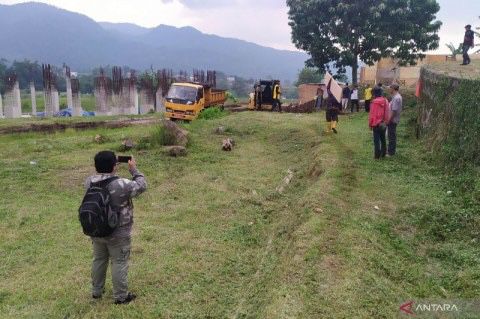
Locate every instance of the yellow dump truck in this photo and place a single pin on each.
(186, 100)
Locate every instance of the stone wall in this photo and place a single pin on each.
(449, 115)
(308, 92)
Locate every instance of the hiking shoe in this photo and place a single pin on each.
(130, 297)
(98, 296)
(334, 130)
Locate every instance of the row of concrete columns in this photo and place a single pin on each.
(117, 97)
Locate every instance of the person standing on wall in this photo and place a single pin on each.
(377, 120)
(468, 42)
(346, 94)
(368, 97)
(354, 99)
(396, 107)
(277, 94)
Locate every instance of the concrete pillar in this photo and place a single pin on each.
(135, 98)
(69, 93)
(13, 102)
(117, 104)
(33, 95)
(56, 100)
(103, 95)
(160, 101)
(52, 102)
(76, 98)
(133, 104)
(50, 93)
(68, 80)
(130, 95)
(117, 91)
(146, 101)
(125, 103)
(47, 96)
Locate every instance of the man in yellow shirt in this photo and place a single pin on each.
(277, 93)
(368, 98)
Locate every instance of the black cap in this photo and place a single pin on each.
(395, 86)
(468, 26)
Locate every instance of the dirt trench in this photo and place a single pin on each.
(85, 125)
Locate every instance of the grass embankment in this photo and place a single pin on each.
(453, 69)
(214, 239)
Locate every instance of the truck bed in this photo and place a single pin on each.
(215, 97)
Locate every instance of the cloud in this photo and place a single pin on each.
(208, 4)
(202, 4)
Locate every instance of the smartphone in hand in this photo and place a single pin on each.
(124, 159)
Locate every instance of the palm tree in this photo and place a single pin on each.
(455, 50)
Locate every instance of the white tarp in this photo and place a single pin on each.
(335, 88)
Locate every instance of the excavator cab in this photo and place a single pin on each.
(263, 95)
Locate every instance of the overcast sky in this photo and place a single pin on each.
(261, 21)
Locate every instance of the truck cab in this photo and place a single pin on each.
(186, 100)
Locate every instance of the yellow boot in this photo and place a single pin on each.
(328, 128)
(334, 126)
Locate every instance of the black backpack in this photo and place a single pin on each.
(95, 213)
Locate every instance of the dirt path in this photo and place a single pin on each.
(84, 125)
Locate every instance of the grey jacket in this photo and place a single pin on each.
(122, 191)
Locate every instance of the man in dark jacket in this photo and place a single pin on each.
(468, 42)
(115, 247)
(346, 94)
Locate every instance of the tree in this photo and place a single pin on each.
(344, 32)
(309, 75)
(455, 50)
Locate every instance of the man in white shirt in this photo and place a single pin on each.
(354, 99)
(396, 106)
(346, 92)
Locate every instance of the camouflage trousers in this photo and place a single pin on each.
(117, 250)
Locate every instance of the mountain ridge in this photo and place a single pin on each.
(49, 34)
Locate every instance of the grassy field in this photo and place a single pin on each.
(213, 238)
(88, 102)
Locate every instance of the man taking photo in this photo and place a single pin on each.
(106, 215)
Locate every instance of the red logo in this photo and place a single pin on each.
(407, 308)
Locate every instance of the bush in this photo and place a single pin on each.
(212, 113)
(162, 137)
(231, 97)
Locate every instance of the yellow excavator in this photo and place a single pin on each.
(264, 96)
